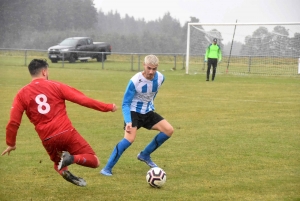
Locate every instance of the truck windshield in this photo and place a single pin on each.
(68, 42)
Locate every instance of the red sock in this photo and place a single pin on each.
(87, 160)
(60, 171)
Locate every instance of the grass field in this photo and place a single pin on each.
(237, 138)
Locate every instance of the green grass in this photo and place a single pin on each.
(237, 138)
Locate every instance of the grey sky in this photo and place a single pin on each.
(208, 11)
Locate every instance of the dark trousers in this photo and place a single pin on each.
(213, 63)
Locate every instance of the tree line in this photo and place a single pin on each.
(39, 24)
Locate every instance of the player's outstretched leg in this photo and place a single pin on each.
(67, 175)
(157, 141)
(66, 160)
(114, 157)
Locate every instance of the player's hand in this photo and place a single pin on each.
(128, 127)
(219, 61)
(8, 150)
(205, 60)
(114, 108)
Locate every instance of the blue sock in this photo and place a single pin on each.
(158, 140)
(117, 152)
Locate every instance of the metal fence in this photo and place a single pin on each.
(115, 61)
(169, 61)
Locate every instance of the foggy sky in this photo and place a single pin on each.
(207, 11)
(216, 11)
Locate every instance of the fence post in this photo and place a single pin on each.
(102, 61)
(139, 62)
(299, 66)
(25, 57)
(183, 60)
(249, 65)
(63, 60)
(174, 62)
(132, 62)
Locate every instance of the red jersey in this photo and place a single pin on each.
(44, 103)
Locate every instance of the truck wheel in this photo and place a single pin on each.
(99, 57)
(72, 58)
(53, 60)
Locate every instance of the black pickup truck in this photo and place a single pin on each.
(79, 48)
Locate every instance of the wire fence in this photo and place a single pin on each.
(168, 61)
(114, 61)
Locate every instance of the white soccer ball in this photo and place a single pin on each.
(156, 177)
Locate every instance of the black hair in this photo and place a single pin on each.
(36, 65)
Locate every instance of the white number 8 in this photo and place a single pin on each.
(41, 109)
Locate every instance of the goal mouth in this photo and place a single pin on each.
(247, 48)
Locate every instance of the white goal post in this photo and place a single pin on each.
(257, 48)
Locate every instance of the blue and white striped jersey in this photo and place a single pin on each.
(140, 93)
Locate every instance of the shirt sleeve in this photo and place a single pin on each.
(220, 54)
(14, 122)
(207, 52)
(128, 96)
(75, 96)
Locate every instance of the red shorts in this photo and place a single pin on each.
(70, 141)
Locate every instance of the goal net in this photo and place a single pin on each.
(272, 49)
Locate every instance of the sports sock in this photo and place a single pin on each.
(158, 140)
(60, 171)
(87, 160)
(117, 152)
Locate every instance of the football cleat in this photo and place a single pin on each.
(67, 175)
(106, 172)
(147, 160)
(66, 160)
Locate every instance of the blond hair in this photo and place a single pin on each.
(151, 59)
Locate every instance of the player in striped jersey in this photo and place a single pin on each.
(138, 111)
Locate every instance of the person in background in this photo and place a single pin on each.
(138, 111)
(213, 56)
(44, 103)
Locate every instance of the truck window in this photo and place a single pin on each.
(89, 41)
(68, 42)
(82, 42)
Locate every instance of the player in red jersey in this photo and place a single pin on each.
(44, 103)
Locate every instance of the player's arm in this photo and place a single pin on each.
(220, 54)
(75, 96)
(13, 125)
(8, 150)
(206, 53)
(127, 99)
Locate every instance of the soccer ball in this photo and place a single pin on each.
(156, 177)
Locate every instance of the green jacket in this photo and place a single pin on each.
(213, 52)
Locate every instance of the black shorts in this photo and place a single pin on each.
(213, 62)
(147, 120)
